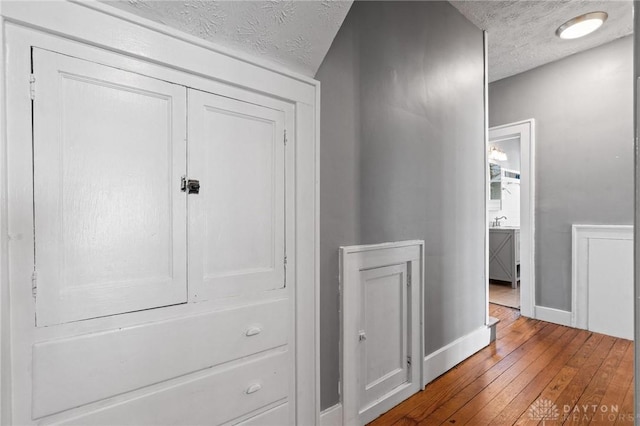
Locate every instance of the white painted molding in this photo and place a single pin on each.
(5, 350)
(525, 130)
(636, 215)
(556, 316)
(381, 246)
(444, 359)
(332, 416)
(487, 185)
(580, 236)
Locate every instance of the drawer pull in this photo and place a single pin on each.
(253, 388)
(252, 331)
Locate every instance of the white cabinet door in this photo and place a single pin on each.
(109, 152)
(237, 221)
(384, 348)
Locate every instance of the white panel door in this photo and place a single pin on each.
(384, 347)
(109, 152)
(237, 221)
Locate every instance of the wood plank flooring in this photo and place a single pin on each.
(535, 373)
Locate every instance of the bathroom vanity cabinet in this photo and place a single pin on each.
(504, 254)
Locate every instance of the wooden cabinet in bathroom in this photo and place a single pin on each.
(504, 254)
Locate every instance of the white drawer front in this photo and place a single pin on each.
(212, 399)
(278, 416)
(68, 373)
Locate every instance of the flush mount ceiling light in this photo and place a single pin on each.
(581, 25)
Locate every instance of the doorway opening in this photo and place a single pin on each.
(510, 214)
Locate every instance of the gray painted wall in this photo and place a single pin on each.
(339, 189)
(402, 157)
(583, 107)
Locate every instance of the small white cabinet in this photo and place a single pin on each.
(382, 347)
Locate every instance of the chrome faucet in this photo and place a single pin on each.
(496, 222)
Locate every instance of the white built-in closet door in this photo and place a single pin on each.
(109, 153)
(237, 221)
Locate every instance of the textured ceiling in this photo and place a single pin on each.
(522, 33)
(296, 34)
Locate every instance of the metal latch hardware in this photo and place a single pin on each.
(190, 186)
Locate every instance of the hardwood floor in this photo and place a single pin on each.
(535, 373)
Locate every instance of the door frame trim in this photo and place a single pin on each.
(525, 130)
(354, 259)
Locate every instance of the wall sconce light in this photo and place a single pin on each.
(581, 25)
(497, 154)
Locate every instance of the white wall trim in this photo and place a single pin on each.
(5, 330)
(444, 359)
(580, 236)
(487, 185)
(556, 316)
(525, 130)
(636, 204)
(332, 416)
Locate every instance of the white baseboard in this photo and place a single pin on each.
(444, 359)
(332, 416)
(556, 316)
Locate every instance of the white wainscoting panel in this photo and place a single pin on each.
(602, 279)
